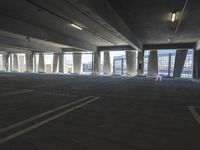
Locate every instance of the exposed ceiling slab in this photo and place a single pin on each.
(8, 39)
(106, 16)
(52, 21)
(34, 31)
(151, 20)
(103, 23)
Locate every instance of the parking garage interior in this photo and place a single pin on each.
(103, 75)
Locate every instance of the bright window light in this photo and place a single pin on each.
(77, 27)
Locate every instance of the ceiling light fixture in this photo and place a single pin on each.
(173, 17)
(77, 27)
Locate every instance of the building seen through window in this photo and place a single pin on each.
(166, 62)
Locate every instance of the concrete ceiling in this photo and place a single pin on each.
(50, 21)
(149, 20)
(105, 23)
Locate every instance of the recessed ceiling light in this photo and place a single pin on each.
(173, 17)
(77, 27)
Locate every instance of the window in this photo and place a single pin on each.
(166, 62)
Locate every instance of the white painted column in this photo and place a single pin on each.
(131, 57)
(77, 62)
(55, 62)
(41, 64)
(29, 62)
(153, 63)
(15, 63)
(106, 64)
(61, 63)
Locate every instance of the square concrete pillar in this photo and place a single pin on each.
(77, 57)
(15, 63)
(196, 64)
(5, 62)
(97, 62)
(34, 63)
(55, 62)
(131, 63)
(29, 62)
(61, 63)
(106, 63)
(41, 64)
(10, 63)
(153, 63)
(140, 63)
(179, 62)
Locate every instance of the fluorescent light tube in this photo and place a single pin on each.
(77, 27)
(173, 17)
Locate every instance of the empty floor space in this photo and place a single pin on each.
(41, 111)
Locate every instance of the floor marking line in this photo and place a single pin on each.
(41, 115)
(30, 128)
(194, 113)
(16, 92)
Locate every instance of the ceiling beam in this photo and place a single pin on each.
(109, 19)
(29, 30)
(26, 43)
(169, 46)
(116, 48)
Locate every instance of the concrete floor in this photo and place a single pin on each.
(127, 114)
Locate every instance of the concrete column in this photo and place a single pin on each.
(131, 63)
(55, 62)
(29, 62)
(97, 62)
(77, 62)
(15, 63)
(10, 56)
(5, 62)
(196, 64)
(41, 64)
(34, 62)
(141, 63)
(179, 62)
(61, 63)
(106, 63)
(153, 63)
